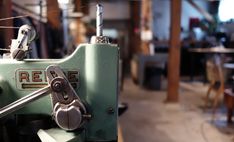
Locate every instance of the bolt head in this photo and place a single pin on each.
(110, 110)
(57, 85)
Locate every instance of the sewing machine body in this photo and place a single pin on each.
(92, 69)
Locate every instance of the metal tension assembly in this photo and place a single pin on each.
(21, 46)
(68, 110)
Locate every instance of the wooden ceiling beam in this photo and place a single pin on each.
(207, 15)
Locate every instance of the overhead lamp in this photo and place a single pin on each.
(63, 1)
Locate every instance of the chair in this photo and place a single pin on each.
(215, 76)
(229, 101)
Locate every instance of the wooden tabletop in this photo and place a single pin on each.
(218, 49)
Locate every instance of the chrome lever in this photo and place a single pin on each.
(24, 101)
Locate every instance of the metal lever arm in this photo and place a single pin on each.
(68, 109)
(24, 101)
(20, 46)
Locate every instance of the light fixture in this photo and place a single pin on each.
(63, 1)
(226, 10)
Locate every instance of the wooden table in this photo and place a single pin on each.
(218, 49)
(215, 51)
(217, 60)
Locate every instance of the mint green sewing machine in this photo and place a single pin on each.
(57, 100)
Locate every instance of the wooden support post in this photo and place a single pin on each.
(53, 13)
(134, 27)
(207, 15)
(174, 53)
(5, 11)
(78, 29)
(146, 24)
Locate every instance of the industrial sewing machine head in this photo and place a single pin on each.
(78, 93)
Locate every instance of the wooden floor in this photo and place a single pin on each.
(149, 119)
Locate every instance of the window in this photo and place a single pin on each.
(226, 10)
